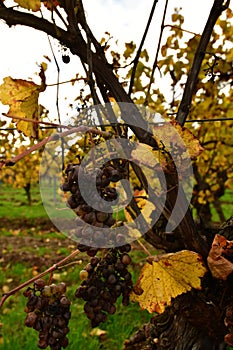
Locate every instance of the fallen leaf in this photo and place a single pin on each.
(221, 250)
(5, 289)
(97, 332)
(165, 277)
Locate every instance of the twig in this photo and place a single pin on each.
(136, 59)
(49, 270)
(76, 262)
(81, 129)
(156, 55)
(181, 29)
(67, 81)
(36, 121)
(190, 86)
(143, 247)
(58, 79)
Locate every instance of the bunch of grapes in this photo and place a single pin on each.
(104, 280)
(93, 233)
(48, 312)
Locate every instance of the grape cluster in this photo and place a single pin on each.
(92, 232)
(103, 281)
(48, 312)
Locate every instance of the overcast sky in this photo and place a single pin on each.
(22, 49)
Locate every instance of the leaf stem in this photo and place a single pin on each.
(143, 247)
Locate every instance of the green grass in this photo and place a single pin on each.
(14, 203)
(226, 204)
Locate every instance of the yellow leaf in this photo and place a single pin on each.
(33, 5)
(22, 97)
(175, 137)
(129, 49)
(166, 277)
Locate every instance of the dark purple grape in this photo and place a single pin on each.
(126, 259)
(66, 59)
(112, 279)
(42, 344)
(94, 261)
(30, 319)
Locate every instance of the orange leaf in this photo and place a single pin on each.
(218, 262)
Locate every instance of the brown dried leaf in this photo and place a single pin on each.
(218, 259)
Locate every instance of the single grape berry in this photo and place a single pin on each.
(83, 274)
(126, 259)
(66, 59)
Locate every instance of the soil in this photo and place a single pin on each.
(25, 249)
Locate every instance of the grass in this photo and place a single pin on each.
(226, 204)
(14, 203)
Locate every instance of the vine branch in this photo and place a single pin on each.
(78, 46)
(81, 129)
(190, 86)
(136, 59)
(156, 55)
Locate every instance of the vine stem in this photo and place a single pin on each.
(81, 129)
(156, 55)
(190, 87)
(44, 273)
(136, 59)
(143, 247)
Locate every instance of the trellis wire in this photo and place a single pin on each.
(153, 123)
